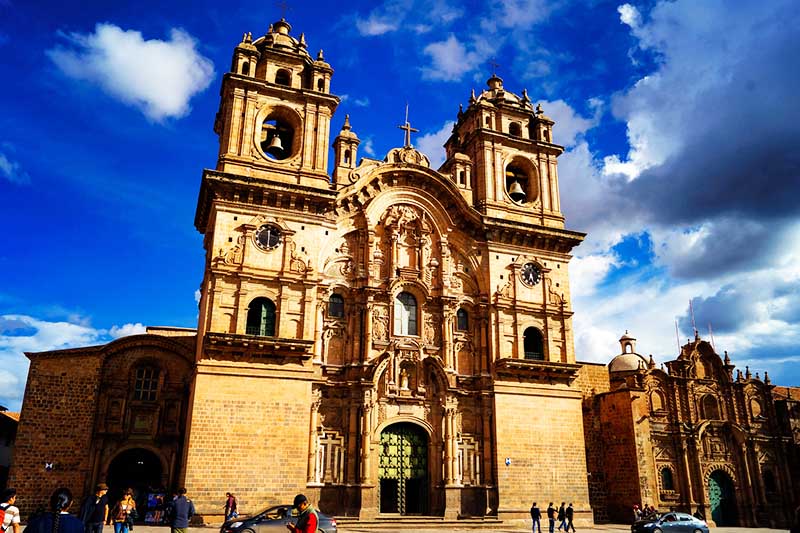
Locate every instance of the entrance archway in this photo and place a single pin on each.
(722, 499)
(403, 470)
(138, 469)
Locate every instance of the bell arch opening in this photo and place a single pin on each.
(403, 470)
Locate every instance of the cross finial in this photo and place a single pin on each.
(284, 7)
(494, 64)
(408, 129)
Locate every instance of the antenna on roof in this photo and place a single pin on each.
(677, 336)
(711, 334)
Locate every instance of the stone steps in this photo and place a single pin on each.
(398, 523)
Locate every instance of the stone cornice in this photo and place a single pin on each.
(254, 348)
(532, 371)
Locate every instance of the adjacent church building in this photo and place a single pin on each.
(392, 339)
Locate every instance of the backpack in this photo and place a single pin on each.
(3, 507)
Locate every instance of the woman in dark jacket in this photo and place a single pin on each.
(58, 520)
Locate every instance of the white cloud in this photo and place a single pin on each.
(12, 171)
(127, 329)
(450, 60)
(157, 76)
(197, 296)
(375, 25)
(521, 13)
(368, 147)
(361, 102)
(432, 144)
(629, 15)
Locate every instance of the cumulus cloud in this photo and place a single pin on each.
(12, 171)
(432, 144)
(126, 330)
(157, 76)
(417, 16)
(450, 60)
(24, 333)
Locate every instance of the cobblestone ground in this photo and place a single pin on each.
(610, 528)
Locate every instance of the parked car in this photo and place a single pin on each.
(274, 519)
(670, 523)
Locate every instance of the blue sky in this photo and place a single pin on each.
(679, 119)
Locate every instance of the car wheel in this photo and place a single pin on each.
(698, 531)
(657, 530)
(246, 530)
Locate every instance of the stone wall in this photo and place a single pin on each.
(56, 426)
(248, 434)
(540, 430)
(594, 379)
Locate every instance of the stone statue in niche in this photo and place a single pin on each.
(404, 379)
(380, 324)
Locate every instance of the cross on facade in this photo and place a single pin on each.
(284, 7)
(408, 129)
(494, 64)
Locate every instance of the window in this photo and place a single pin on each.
(710, 407)
(246, 68)
(283, 77)
(261, 318)
(336, 306)
(666, 479)
(405, 314)
(516, 184)
(515, 129)
(321, 85)
(462, 319)
(347, 157)
(145, 386)
(534, 344)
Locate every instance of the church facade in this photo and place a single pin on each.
(387, 338)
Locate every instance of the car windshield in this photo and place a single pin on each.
(274, 513)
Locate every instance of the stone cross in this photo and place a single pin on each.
(408, 129)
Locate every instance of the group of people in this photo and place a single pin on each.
(643, 513)
(93, 514)
(564, 516)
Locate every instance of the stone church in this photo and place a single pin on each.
(385, 337)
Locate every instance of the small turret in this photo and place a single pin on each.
(345, 148)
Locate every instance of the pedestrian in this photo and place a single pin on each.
(551, 517)
(123, 511)
(637, 513)
(230, 506)
(307, 519)
(562, 517)
(94, 511)
(58, 520)
(10, 511)
(181, 510)
(536, 515)
(570, 512)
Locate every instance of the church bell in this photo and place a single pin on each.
(516, 193)
(275, 148)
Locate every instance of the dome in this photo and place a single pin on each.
(277, 37)
(496, 94)
(626, 362)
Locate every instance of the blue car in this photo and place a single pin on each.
(670, 523)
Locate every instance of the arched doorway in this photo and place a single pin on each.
(136, 468)
(403, 470)
(722, 499)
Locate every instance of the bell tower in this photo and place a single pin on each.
(513, 159)
(275, 110)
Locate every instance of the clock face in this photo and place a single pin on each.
(531, 274)
(268, 237)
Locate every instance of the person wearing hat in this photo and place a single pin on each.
(94, 511)
(307, 518)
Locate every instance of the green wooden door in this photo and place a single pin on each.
(722, 499)
(403, 470)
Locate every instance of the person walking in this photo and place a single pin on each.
(122, 511)
(94, 511)
(551, 517)
(570, 512)
(307, 519)
(562, 517)
(230, 506)
(10, 511)
(58, 520)
(181, 512)
(536, 515)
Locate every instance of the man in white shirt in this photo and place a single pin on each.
(9, 498)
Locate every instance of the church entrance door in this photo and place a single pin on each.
(722, 498)
(403, 470)
(135, 468)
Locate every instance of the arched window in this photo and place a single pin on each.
(145, 385)
(488, 122)
(667, 483)
(336, 306)
(283, 77)
(321, 85)
(405, 314)
(261, 318)
(515, 129)
(533, 344)
(462, 320)
(347, 157)
(461, 179)
(710, 407)
(657, 401)
(246, 68)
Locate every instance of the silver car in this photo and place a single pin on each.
(670, 523)
(274, 520)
